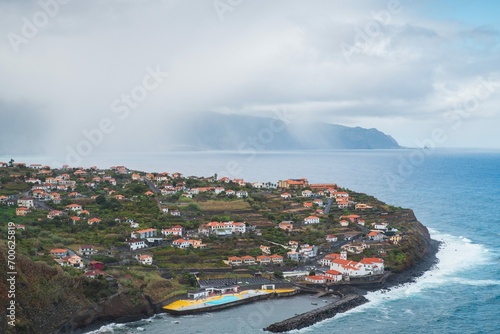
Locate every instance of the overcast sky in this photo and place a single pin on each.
(406, 68)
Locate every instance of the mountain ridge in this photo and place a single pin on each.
(235, 132)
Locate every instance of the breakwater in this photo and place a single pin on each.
(317, 315)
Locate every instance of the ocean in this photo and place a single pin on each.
(455, 193)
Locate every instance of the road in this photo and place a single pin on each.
(328, 206)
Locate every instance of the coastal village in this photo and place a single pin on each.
(166, 234)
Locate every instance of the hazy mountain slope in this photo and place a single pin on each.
(232, 132)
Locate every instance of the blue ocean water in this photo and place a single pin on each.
(455, 193)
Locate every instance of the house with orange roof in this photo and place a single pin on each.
(54, 213)
(342, 203)
(75, 219)
(293, 183)
(235, 261)
(317, 279)
(143, 234)
(375, 235)
(331, 238)
(248, 260)
(351, 218)
(307, 204)
(94, 221)
(22, 211)
(362, 206)
(197, 244)
(149, 193)
(75, 261)
(293, 245)
(83, 212)
(286, 195)
(177, 230)
(136, 177)
(333, 275)
(373, 264)
(318, 202)
(344, 223)
(145, 259)
(327, 260)
(74, 207)
(120, 197)
(181, 243)
(265, 249)
(276, 259)
(263, 259)
(59, 252)
(286, 226)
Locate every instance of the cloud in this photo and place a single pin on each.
(260, 57)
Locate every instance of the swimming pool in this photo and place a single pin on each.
(223, 300)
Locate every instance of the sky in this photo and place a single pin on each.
(120, 72)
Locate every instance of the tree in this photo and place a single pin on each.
(11, 162)
(101, 200)
(279, 274)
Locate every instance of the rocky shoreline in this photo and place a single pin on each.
(356, 295)
(317, 315)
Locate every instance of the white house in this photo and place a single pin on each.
(218, 190)
(375, 235)
(248, 260)
(74, 207)
(374, 264)
(241, 194)
(235, 261)
(308, 251)
(311, 220)
(380, 226)
(293, 255)
(344, 223)
(86, 250)
(366, 267)
(135, 244)
(177, 230)
(181, 243)
(333, 275)
(286, 195)
(318, 279)
(145, 259)
(26, 202)
(331, 238)
(307, 193)
(143, 234)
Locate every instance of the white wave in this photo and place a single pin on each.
(456, 256)
(106, 329)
